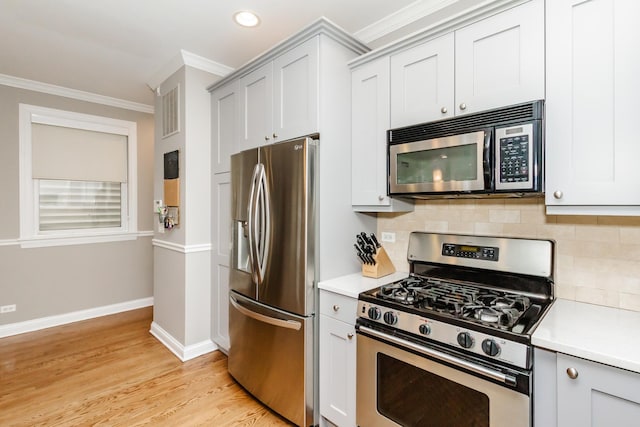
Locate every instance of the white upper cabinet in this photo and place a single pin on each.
(494, 62)
(256, 107)
(224, 126)
(295, 91)
(500, 60)
(593, 64)
(422, 82)
(280, 99)
(369, 123)
(274, 102)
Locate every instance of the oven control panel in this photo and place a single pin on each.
(487, 253)
(469, 340)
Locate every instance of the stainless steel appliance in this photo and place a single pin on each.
(497, 152)
(272, 325)
(450, 345)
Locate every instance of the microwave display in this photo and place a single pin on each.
(456, 163)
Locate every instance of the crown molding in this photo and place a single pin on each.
(405, 16)
(192, 60)
(321, 25)
(66, 92)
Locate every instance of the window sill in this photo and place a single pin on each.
(46, 241)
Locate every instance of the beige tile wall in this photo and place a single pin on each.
(597, 257)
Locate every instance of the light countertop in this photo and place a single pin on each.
(601, 334)
(352, 284)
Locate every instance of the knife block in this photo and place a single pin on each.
(382, 267)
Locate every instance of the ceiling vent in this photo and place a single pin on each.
(171, 112)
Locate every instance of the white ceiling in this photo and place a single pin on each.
(116, 47)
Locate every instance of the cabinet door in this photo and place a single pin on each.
(369, 124)
(600, 396)
(256, 107)
(221, 239)
(337, 371)
(500, 60)
(224, 126)
(591, 108)
(295, 91)
(422, 85)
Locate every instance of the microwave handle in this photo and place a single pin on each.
(488, 161)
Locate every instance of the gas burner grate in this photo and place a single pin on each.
(491, 308)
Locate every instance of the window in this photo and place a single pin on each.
(77, 178)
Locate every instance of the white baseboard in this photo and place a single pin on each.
(75, 316)
(183, 353)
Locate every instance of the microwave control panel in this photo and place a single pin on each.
(514, 157)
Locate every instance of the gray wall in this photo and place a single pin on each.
(182, 282)
(57, 280)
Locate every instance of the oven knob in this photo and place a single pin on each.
(465, 340)
(374, 313)
(490, 347)
(424, 329)
(390, 318)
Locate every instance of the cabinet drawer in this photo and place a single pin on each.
(339, 307)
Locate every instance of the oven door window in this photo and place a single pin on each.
(411, 396)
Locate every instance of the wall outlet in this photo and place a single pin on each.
(388, 237)
(7, 308)
(157, 204)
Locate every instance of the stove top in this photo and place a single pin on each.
(478, 294)
(484, 306)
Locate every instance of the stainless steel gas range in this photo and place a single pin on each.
(450, 345)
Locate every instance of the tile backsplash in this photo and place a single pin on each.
(597, 257)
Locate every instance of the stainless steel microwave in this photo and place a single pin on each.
(492, 153)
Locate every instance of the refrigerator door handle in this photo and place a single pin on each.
(259, 214)
(251, 222)
(264, 230)
(289, 324)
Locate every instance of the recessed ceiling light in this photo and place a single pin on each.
(246, 18)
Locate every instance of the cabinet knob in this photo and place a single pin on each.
(444, 110)
(266, 137)
(463, 106)
(336, 307)
(381, 198)
(572, 373)
(557, 194)
(350, 336)
(275, 135)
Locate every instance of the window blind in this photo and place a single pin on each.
(78, 155)
(68, 205)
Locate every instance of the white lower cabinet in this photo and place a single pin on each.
(337, 359)
(597, 395)
(570, 392)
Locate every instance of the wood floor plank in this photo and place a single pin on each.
(111, 372)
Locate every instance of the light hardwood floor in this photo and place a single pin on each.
(110, 371)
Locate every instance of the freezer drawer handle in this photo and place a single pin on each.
(289, 324)
(499, 376)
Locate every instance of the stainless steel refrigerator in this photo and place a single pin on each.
(272, 314)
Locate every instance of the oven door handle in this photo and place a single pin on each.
(481, 370)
